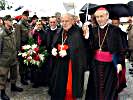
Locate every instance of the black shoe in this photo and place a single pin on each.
(24, 82)
(4, 97)
(16, 89)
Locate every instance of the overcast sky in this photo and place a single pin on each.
(50, 6)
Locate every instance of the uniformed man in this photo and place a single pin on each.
(7, 57)
(24, 36)
(13, 65)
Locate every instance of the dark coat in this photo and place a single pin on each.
(77, 55)
(114, 40)
(102, 83)
(50, 34)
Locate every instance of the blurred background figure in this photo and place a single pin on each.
(58, 17)
(1, 21)
(122, 74)
(130, 38)
(44, 22)
(77, 21)
(130, 42)
(33, 21)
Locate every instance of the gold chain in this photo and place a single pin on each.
(100, 45)
(63, 40)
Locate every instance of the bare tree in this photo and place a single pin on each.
(4, 5)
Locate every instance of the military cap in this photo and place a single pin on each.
(26, 13)
(34, 17)
(44, 18)
(8, 17)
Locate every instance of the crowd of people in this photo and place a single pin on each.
(73, 49)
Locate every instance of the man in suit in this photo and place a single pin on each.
(122, 74)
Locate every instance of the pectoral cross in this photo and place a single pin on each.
(62, 46)
(100, 49)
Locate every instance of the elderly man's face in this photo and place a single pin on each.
(67, 22)
(101, 17)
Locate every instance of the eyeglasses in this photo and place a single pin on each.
(52, 22)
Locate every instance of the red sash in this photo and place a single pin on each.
(103, 56)
(69, 95)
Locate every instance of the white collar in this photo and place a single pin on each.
(102, 27)
(53, 28)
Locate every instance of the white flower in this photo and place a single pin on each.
(63, 53)
(29, 52)
(37, 63)
(41, 56)
(26, 47)
(32, 61)
(29, 58)
(54, 51)
(34, 46)
(20, 53)
(24, 54)
(26, 62)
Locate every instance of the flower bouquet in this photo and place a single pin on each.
(33, 54)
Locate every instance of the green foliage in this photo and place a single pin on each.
(31, 41)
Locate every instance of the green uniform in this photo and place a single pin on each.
(24, 36)
(7, 54)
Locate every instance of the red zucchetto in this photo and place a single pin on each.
(101, 8)
(100, 11)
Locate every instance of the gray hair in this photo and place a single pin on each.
(69, 15)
